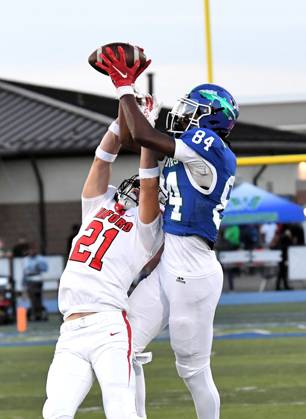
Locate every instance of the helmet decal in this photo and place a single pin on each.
(228, 109)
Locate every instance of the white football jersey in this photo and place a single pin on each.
(106, 256)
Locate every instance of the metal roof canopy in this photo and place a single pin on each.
(70, 123)
(32, 123)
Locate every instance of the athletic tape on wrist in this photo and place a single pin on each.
(114, 128)
(125, 90)
(104, 155)
(149, 173)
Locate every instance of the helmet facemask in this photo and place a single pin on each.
(127, 195)
(186, 114)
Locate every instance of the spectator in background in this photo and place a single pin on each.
(34, 265)
(4, 252)
(231, 237)
(267, 234)
(21, 248)
(5, 304)
(249, 236)
(297, 235)
(285, 240)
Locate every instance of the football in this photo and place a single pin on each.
(132, 54)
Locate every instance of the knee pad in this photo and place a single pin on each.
(188, 366)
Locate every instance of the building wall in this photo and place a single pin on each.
(278, 179)
(290, 115)
(63, 179)
(23, 220)
(17, 220)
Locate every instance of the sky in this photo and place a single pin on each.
(258, 46)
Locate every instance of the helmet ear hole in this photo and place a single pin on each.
(213, 122)
(198, 113)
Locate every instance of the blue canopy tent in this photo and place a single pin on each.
(249, 204)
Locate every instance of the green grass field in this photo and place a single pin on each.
(261, 378)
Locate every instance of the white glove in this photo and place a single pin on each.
(148, 106)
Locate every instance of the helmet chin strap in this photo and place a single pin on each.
(119, 208)
(126, 202)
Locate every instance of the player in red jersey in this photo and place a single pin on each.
(120, 233)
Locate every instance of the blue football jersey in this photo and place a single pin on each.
(191, 209)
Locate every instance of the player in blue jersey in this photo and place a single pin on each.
(184, 289)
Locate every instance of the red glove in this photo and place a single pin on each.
(142, 69)
(119, 72)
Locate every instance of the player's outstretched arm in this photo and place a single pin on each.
(141, 130)
(149, 186)
(123, 78)
(125, 137)
(99, 174)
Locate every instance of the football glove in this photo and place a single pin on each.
(117, 69)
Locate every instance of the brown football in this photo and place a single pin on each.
(132, 54)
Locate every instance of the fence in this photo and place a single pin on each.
(11, 271)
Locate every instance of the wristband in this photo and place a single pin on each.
(125, 90)
(149, 173)
(105, 156)
(114, 128)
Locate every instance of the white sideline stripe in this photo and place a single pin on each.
(238, 332)
(165, 400)
(246, 388)
(301, 403)
(90, 409)
(261, 331)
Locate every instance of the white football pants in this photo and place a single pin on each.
(187, 305)
(99, 344)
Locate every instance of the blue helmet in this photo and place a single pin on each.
(206, 106)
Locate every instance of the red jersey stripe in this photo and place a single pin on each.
(129, 332)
